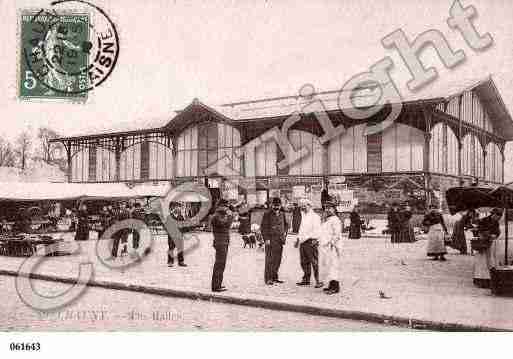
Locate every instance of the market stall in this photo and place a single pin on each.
(490, 270)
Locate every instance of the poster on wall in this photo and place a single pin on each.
(298, 192)
(315, 195)
(252, 199)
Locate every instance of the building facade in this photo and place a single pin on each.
(436, 142)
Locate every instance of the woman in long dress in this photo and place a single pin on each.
(458, 240)
(436, 234)
(296, 218)
(393, 219)
(330, 248)
(405, 229)
(355, 227)
(82, 233)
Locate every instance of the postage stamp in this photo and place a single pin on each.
(54, 54)
(65, 52)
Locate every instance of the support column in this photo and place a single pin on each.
(485, 154)
(68, 157)
(426, 164)
(427, 150)
(460, 150)
(503, 160)
(174, 153)
(117, 155)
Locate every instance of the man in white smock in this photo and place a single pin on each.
(330, 248)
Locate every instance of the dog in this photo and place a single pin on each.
(249, 240)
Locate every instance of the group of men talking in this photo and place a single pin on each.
(274, 228)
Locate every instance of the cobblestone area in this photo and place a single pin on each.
(418, 287)
(106, 310)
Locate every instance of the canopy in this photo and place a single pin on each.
(464, 198)
(16, 191)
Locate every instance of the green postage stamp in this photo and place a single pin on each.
(63, 54)
(54, 55)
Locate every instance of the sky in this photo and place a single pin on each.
(225, 51)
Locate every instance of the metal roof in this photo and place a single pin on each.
(366, 96)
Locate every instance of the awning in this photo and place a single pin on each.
(16, 191)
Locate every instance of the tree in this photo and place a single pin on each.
(7, 154)
(51, 153)
(23, 147)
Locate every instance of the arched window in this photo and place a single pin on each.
(493, 163)
(201, 147)
(402, 148)
(348, 152)
(311, 164)
(105, 165)
(472, 156)
(130, 161)
(443, 150)
(80, 166)
(160, 161)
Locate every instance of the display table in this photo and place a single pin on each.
(24, 246)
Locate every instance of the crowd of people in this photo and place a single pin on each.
(399, 223)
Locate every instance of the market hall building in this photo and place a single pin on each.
(438, 141)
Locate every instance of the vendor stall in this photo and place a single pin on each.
(490, 270)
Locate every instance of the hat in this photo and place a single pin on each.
(276, 200)
(497, 211)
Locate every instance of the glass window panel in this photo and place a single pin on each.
(334, 156)
(194, 137)
(388, 145)
(212, 134)
(202, 136)
(403, 148)
(417, 149)
(249, 162)
(229, 137)
(260, 159)
(235, 138)
(360, 149)
(222, 135)
(348, 150)
(202, 161)
(318, 154)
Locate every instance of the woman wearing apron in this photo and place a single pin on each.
(488, 229)
(436, 234)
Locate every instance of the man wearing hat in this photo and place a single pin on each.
(274, 230)
(330, 247)
(308, 241)
(221, 224)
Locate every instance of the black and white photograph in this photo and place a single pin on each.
(255, 166)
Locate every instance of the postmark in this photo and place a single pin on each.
(66, 50)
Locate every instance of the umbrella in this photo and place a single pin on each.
(465, 198)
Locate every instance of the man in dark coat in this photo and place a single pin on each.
(82, 232)
(221, 223)
(393, 222)
(296, 218)
(176, 242)
(274, 229)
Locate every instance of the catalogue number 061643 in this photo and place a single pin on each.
(32, 347)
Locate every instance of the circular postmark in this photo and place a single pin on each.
(65, 51)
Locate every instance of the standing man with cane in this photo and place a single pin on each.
(274, 229)
(221, 224)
